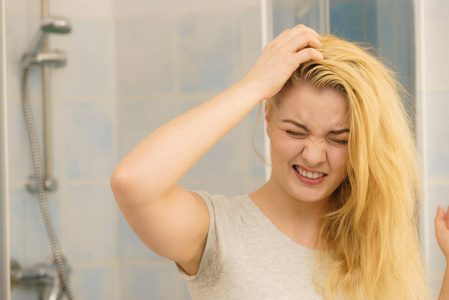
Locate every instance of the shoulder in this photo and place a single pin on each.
(220, 203)
(230, 214)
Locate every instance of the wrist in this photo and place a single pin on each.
(252, 90)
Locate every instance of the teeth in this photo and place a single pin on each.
(309, 174)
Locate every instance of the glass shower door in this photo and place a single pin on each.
(387, 26)
(312, 13)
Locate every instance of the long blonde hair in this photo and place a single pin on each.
(370, 230)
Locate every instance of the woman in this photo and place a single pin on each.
(338, 217)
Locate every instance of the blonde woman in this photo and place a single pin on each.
(338, 217)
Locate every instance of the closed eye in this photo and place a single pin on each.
(296, 134)
(341, 142)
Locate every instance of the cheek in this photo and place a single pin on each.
(279, 140)
(339, 158)
(286, 147)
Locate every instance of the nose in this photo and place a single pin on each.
(314, 152)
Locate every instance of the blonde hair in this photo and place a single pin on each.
(370, 230)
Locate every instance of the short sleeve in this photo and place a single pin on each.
(211, 261)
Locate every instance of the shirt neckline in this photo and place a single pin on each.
(274, 228)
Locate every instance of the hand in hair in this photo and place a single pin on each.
(442, 230)
(281, 57)
(171, 220)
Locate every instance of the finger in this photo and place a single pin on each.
(301, 41)
(439, 221)
(285, 36)
(308, 54)
(300, 29)
(440, 213)
(280, 40)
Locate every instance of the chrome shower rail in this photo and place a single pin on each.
(35, 56)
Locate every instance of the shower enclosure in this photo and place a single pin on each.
(133, 65)
(50, 278)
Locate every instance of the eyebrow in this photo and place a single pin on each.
(308, 130)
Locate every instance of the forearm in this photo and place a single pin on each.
(444, 293)
(155, 165)
(152, 169)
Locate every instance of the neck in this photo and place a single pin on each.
(283, 208)
(273, 193)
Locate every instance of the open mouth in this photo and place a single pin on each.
(308, 174)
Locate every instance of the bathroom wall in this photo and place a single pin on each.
(433, 90)
(172, 56)
(84, 105)
(132, 65)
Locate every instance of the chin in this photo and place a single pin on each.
(310, 196)
(312, 199)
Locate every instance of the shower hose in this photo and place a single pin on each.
(41, 186)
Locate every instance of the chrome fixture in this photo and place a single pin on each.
(57, 59)
(43, 276)
(54, 274)
(56, 25)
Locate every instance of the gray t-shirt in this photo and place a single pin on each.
(247, 257)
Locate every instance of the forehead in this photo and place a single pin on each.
(324, 109)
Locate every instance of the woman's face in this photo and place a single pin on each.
(308, 133)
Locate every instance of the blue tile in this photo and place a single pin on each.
(256, 164)
(225, 159)
(88, 140)
(160, 282)
(30, 243)
(89, 223)
(96, 282)
(20, 158)
(137, 119)
(209, 52)
(130, 244)
(145, 57)
(90, 68)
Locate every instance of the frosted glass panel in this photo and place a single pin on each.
(288, 13)
(388, 26)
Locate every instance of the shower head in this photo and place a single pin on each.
(49, 25)
(56, 25)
